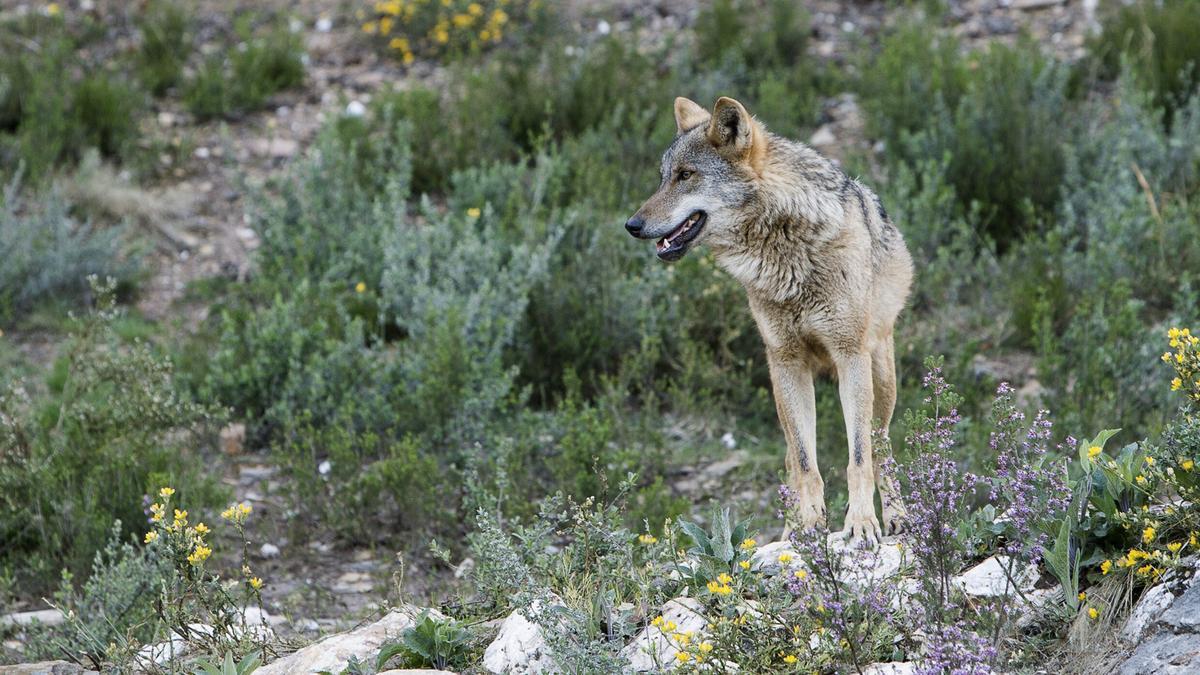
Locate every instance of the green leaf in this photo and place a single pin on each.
(697, 535)
(387, 652)
(722, 547)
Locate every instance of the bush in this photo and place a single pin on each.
(48, 256)
(80, 456)
(165, 46)
(1160, 41)
(455, 27)
(54, 104)
(241, 79)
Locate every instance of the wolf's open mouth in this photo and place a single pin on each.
(674, 245)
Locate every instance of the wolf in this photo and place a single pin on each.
(826, 273)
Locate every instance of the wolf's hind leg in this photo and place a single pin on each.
(883, 378)
(854, 386)
(796, 403)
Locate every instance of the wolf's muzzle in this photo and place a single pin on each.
(634, 225)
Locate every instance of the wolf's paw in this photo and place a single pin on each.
(861, 526)
(894, 516)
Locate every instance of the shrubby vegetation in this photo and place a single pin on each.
(445, 320)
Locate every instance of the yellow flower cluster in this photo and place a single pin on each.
(436, 28)
(1184, 357)
(648, 539)
(721, 585)
(237, 512)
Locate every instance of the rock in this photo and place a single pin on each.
(988, 580)
(1147, 610)
(823, 137)
(45, 617)
(652, 650)
(233, 437)
(464, 568)
(353, 582)
(277, 148)
(324, 24)
(268, 551)
(519, 647)
(333, 653)
(417, 671)
(728, 441)
(766, 557)
(174, 647)
(355, 109)
(890, 668)
(45, 668)
(1035, 4)
(1165, 654)
(1184, 613)
(877, 564)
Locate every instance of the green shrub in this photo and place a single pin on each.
(1160, 41)
(54, 104)
(165, 46)
(81, 456)
(242, 78)
(48, 256)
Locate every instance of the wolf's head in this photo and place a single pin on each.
(707, 174)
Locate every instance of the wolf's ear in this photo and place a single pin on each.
(731, 130)
(688, 115)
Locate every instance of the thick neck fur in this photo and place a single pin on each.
(793, 211)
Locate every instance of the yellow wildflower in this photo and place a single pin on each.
(1093, 613)
(648, 539)
(485, 35)
(1145, 569)
(1149, 460)
(399, 43)
(724, 578)
(1082, 596)
(683, 656)
(53, 9)
(408, 58)
(705, 647)
(473, 212)
(370, 27)
(1176, 384)
(669, 626)
(156, 512)
(790, 659)
(1148, 534)
(180, 518)
(748, 544)
(1174, 546)
(166, 492)
(1141, 480)
(385, 25)
(1187, 465)
(475, 9)
(462, 20)
(800, 574)
(360, 287)
(256, 583)
(151, 536)
(1105, 566)
(785, 558)
(201, 528)
(1094, 451)
(199, 555)
(744, 564)
(1166, 357)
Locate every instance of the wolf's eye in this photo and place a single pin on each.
(685, 174)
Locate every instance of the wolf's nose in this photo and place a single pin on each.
(635, 224)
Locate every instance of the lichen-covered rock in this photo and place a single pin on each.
(653, 650)
(1146, 612)
(45, 668)
(333, 653)
(1164, 626)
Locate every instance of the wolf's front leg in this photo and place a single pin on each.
(854, 386)
(795, 401)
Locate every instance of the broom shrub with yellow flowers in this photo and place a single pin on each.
(441, 29)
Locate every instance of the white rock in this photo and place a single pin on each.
(1147, 610)
(879, 563)
(603, 28)
(729, 441)
(766, 557)
(46, 617)
(519, 647)
(654, 651)
(333, 653)
(174, 647)
(268, 551)
(324, 24)
(324, 467)
(823, 137)
(355, 109)
(988, 579)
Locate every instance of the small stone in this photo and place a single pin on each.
(166, 119)
(268, 551)
(324, 467)
(464, 568)
(355, 109)
(519, 647)
(603, 28)
(201, 153)
(45, 617)
(728, 440)
(324, 24)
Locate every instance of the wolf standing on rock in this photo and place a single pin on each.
(826, 273)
